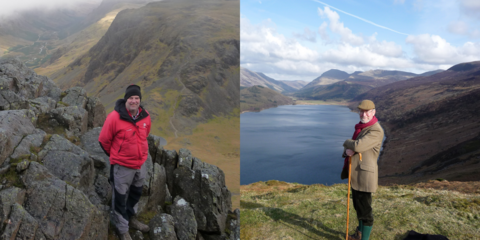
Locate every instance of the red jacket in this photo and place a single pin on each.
(123, 139)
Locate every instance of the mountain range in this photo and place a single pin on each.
(249, 79)
(339, 85)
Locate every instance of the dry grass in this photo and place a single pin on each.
(278, 210)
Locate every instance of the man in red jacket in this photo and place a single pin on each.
(124, 140)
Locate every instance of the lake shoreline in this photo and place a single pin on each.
(305, 102)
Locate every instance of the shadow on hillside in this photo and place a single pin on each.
(291, 220)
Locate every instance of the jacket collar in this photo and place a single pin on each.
(122, 111)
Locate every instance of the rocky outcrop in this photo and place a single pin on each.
(54, 174)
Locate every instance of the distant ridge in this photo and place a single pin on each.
(348, 86)
(249, 79)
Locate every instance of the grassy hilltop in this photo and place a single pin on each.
(279, 210)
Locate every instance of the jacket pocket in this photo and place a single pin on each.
(368, 168)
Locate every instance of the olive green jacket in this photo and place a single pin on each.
(365, 173)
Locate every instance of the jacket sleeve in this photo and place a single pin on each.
(106, 135)
(366, 142)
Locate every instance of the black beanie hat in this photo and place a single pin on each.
(132, 90)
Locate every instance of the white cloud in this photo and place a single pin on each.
(10, 8)
(264, 41)
(436, 50)
(337, 27)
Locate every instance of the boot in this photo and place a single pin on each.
(366, 232)
(356, 236)
(125, 236)
(134, 223)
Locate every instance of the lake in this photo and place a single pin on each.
(295, 143)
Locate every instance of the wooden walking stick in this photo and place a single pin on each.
(348, 195)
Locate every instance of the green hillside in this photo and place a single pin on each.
(279, 210)
(257, 98)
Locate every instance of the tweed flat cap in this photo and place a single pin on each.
(366, 105)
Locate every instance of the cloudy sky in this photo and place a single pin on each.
(299, 40)
(11, 8)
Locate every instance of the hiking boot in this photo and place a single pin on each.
(134, 223)
(356, 236)
(125, 236)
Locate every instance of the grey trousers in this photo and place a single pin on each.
(127, 185)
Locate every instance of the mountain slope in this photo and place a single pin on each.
(297, 84)
(329, 77)
(257, 98)
(431, 125)
(183, 54)
(249, 79)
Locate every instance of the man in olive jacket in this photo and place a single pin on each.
(366, 140)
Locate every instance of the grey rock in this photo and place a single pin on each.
(89, 143)
(137, 235)
(184, 158)
(184, 219)
(155, 148)
(96, 113)
(25, 82)
(168, 197)
(41, 105)
(103, 189)
(233, 225)
(74, 119)
(21, 166)
(68, 162)
(144, 199)
(205, 189)
(170, 159)
(8, 197)
(99, 162)
(9, 100)
(162, 227)
(157, 193)
(21, 224)
(75, 96)
(33, 140)
(62, 211)
(14, 126)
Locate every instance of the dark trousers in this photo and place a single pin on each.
(362, 202)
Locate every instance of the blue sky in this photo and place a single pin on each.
(299, 40)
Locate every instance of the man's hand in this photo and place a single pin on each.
(349, 152)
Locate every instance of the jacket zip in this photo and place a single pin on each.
(120, 148)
